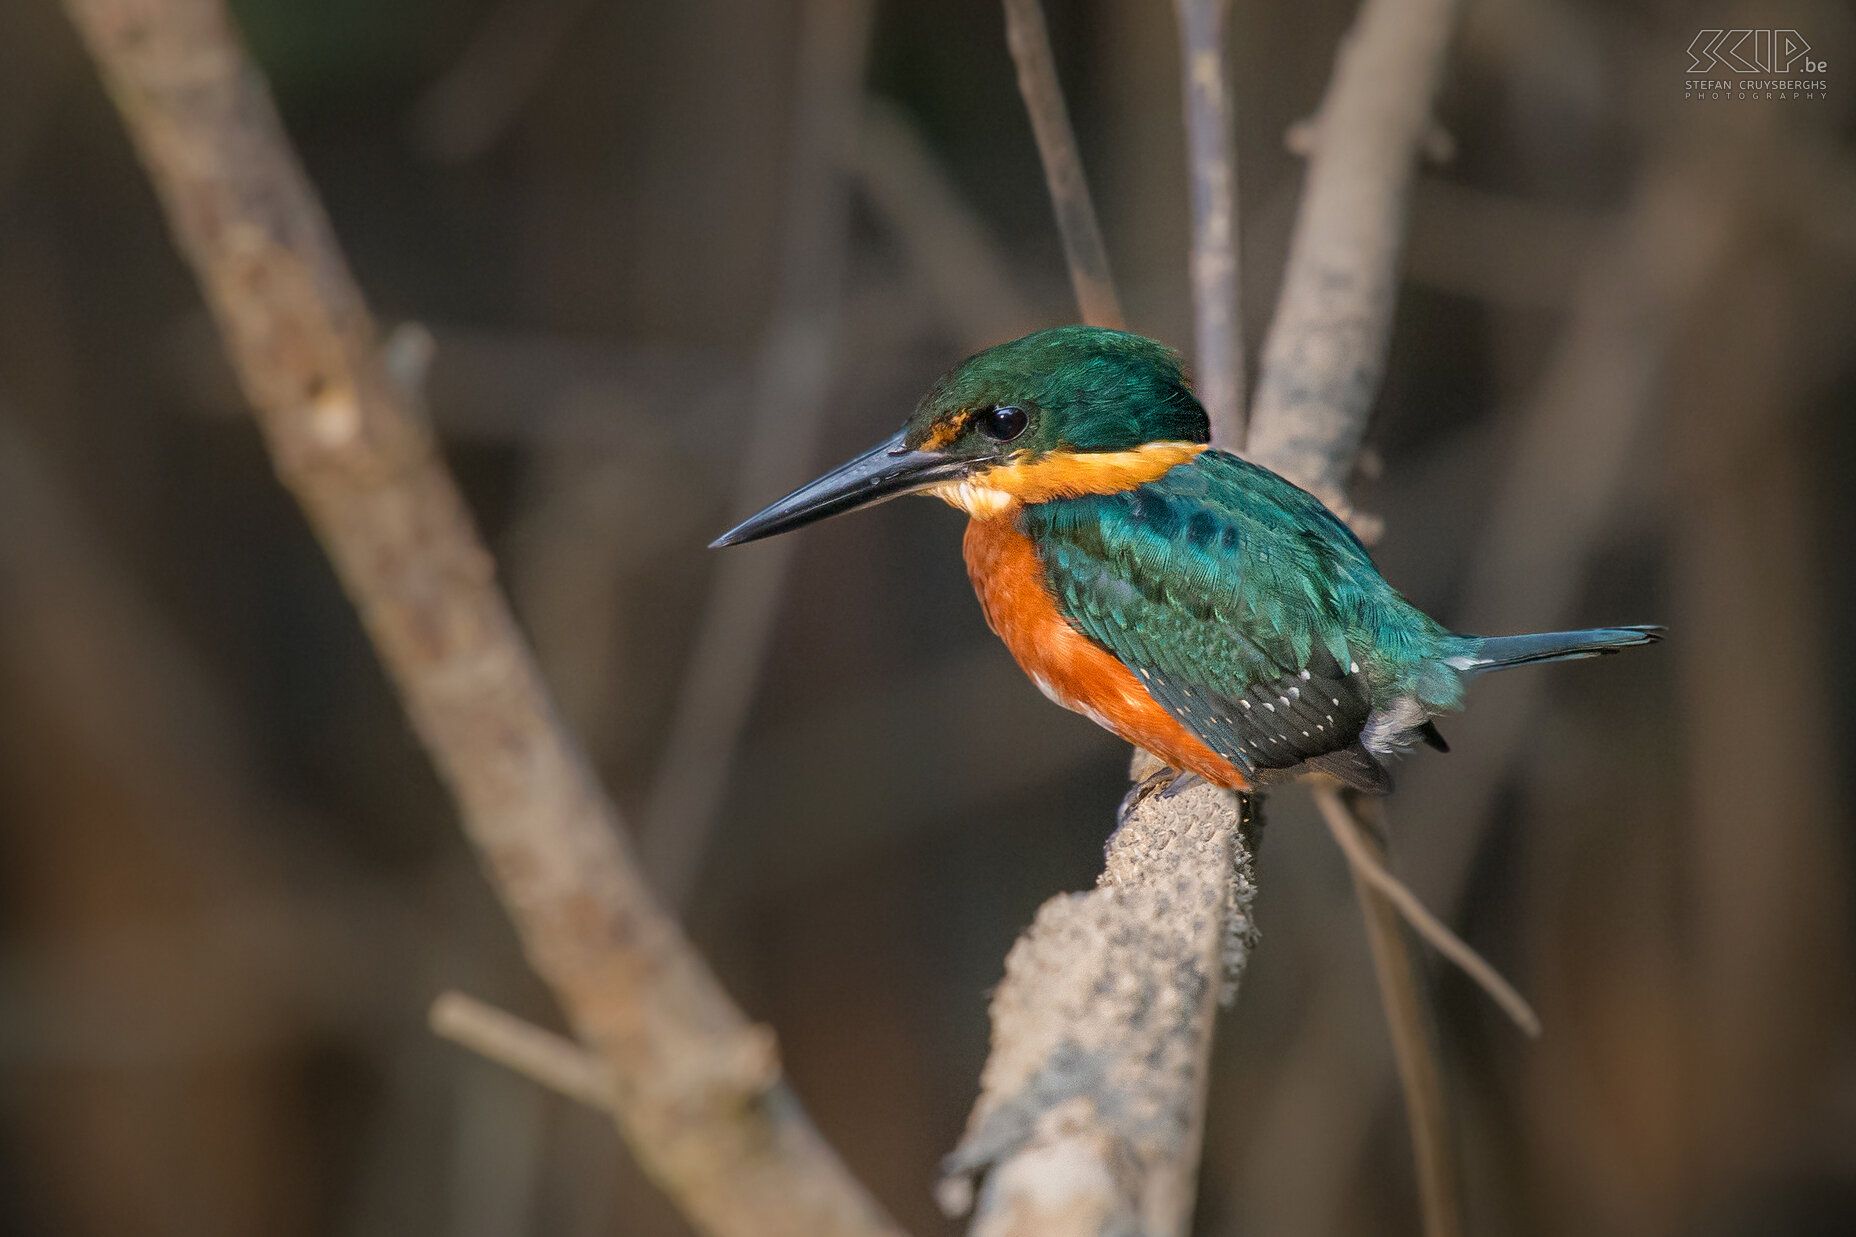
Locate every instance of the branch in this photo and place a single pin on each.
(1414, 1048)
(1029, 40)
(1326, 348)
(694, 1086)
(1093, 1100)
(1218, 359)
(1368, 864)
(549, 1059)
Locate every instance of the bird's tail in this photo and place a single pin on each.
(1500, 652)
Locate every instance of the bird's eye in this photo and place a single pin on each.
(1003, 424)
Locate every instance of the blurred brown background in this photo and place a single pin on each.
(1619, 391)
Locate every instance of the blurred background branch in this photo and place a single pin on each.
(1217, 276)
(1408, 1023)
(693, 1081)
(1326, 348)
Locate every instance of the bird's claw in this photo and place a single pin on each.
(1164, 782)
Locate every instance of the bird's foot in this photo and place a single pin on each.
(1165, 781)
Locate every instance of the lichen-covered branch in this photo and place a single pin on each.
(696, 1086)
(1093, 1101)
(1326, 348)
(1029, 40)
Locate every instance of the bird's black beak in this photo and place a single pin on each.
(885, 471)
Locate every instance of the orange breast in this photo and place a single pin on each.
(1070, 668)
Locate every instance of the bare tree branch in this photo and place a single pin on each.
(1218, 358)
(1368, 864)
(1093, 1101)
(1326, 347)
(694, 1082)
(1029, 40)
(1414, 1047)
(556, 1063)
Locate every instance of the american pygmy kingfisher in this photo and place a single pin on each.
(1195, 604)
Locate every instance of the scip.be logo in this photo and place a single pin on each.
(1752, 51)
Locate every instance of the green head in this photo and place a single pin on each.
(1074, 393)
(1081, 389)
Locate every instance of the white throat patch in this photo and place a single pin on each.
(977, 500)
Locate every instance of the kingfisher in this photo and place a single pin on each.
(1199, 606)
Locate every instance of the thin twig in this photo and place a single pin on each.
(1414, 1048)
(1029, 40)
(1363, 856)
(797, 366)
(1326, 347)
(1218, 360)
(696, 1089)
(551, 1060)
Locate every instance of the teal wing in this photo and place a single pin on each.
(1236, 598)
